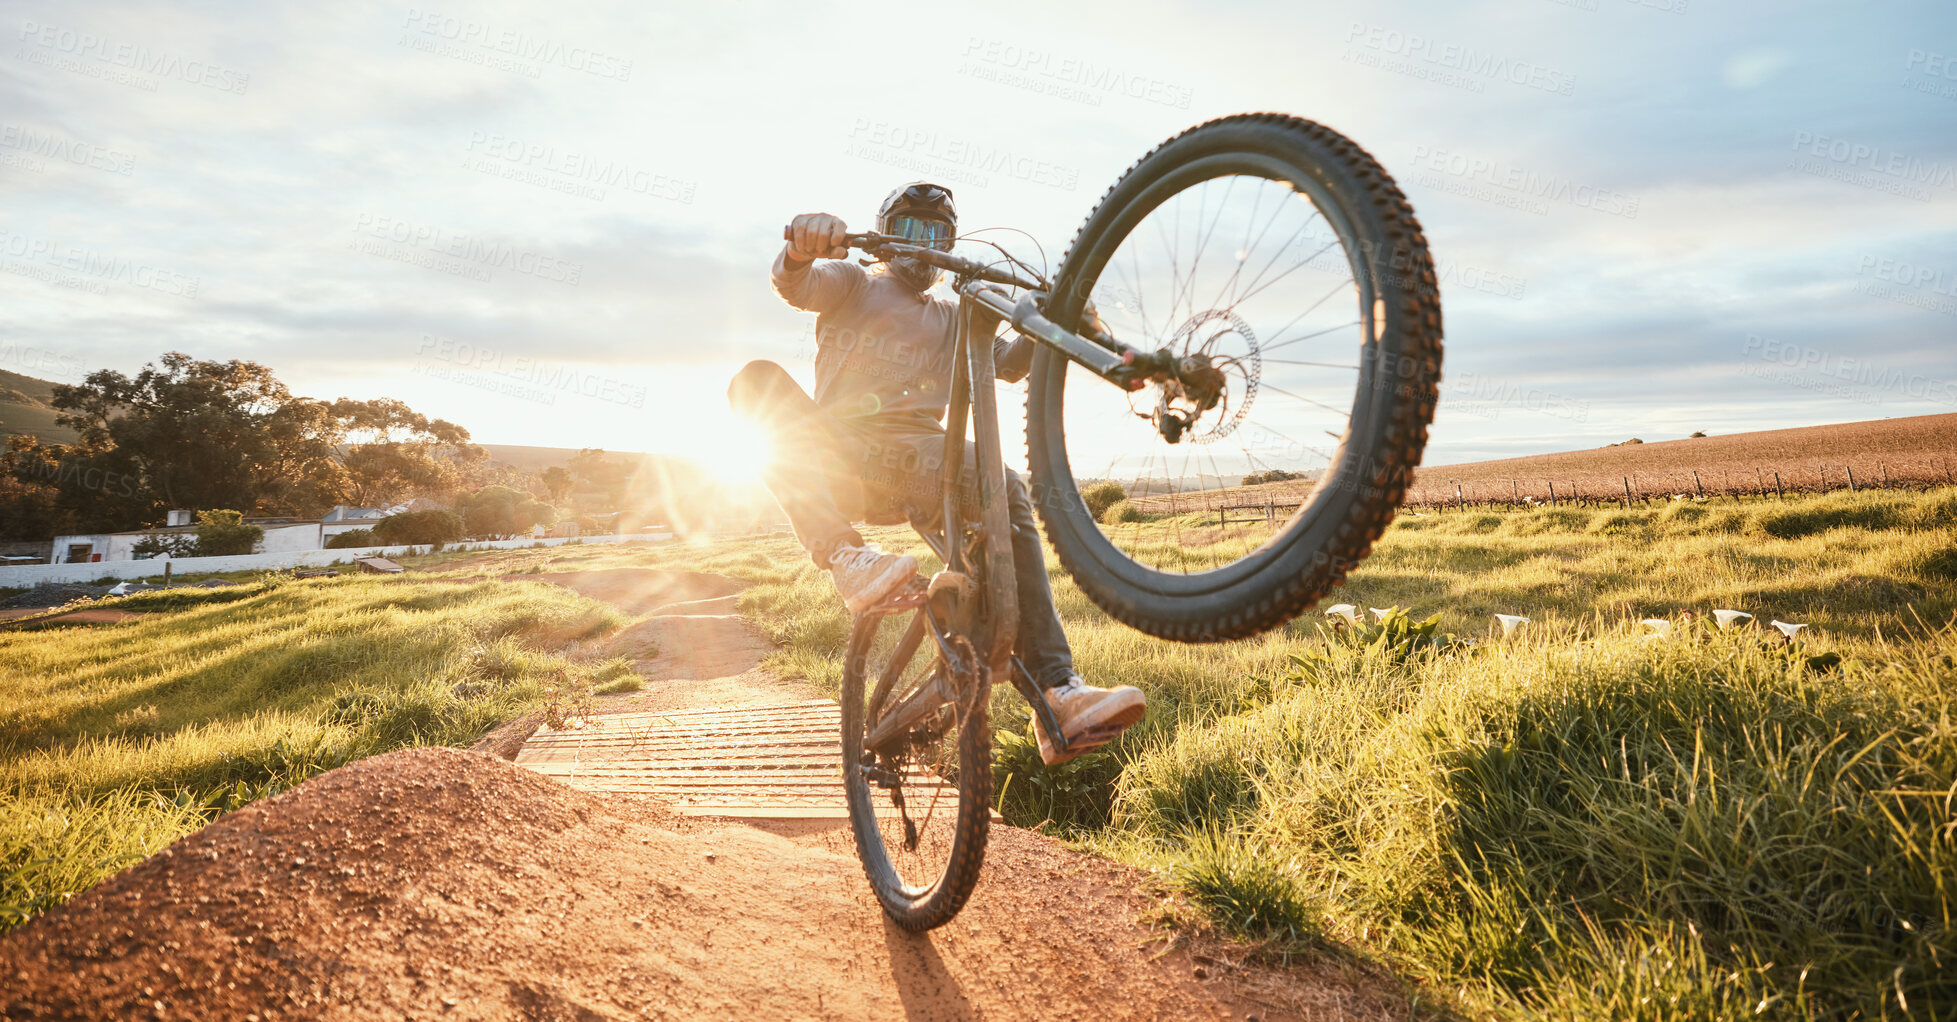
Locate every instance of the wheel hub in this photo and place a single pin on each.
(1208, 360)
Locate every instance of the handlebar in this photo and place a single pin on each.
(885, 246)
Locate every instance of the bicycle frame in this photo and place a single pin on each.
(991, 616)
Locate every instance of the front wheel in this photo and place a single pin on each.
(920, 805)
(1281, 260)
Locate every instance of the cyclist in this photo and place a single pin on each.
(868, 446)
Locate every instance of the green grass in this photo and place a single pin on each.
(1577, 823)
(117, 739)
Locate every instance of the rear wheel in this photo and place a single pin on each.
(1284, 260)
(919, 806)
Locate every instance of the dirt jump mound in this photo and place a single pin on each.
(436, 883)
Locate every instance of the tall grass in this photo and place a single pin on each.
(1576, 823)
(1579, 822)
(117, 739)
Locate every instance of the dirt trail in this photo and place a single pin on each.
(438, 883)
(692, 646)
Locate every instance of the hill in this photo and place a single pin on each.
(1916, 450)
(27, 406)
(536, 459)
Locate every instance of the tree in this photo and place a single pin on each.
(353, 538)
(32, 505)
(222, 532)
(198, 433)
(416, 527)
(165, 546)
(502, 511)
(191, 432)
(400, 452)
(608, 480)
(558, 481)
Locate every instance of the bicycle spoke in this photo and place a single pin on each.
(1271, 398)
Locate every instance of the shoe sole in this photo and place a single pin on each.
(1117, 718)
(1095, 735)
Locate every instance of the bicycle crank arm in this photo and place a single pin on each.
(1022, 681)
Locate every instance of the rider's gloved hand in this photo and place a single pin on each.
(815, 236)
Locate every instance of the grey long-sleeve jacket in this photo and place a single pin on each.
(883, 351)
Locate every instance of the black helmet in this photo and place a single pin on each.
(920, 199)
(922, 212)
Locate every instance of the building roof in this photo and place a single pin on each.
(351, 514)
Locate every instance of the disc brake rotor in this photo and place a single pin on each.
(1205, 335)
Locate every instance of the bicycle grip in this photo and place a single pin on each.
(852, 240)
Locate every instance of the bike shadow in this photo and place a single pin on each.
(927, 988)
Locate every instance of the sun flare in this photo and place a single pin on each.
(731, 450)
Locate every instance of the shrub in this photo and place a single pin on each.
(221, 533)
(1101, 496)
(1834, 512)
(1074, 796)
(431, 527)
(502, 511)
(1243, 884)
(1124, 511)
(166, 546)
(352, 538)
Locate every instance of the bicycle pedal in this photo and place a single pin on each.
(913, 595)
(956, 583)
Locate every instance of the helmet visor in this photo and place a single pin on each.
(927, 231)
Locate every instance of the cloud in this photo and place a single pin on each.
(512, 154)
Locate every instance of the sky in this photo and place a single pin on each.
(552, 223)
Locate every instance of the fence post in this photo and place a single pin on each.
(1851, 479)
(1778, 495)
(1627, 492)
(1885, 473)
(1516, 489)
(1696, 484)
(1552, 493)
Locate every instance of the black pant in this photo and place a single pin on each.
(827, 472)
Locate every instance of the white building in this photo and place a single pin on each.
(282, 535)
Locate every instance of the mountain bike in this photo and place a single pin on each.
(1252, 299)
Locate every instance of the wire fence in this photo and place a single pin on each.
(1272, 503)
(1775, 481)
